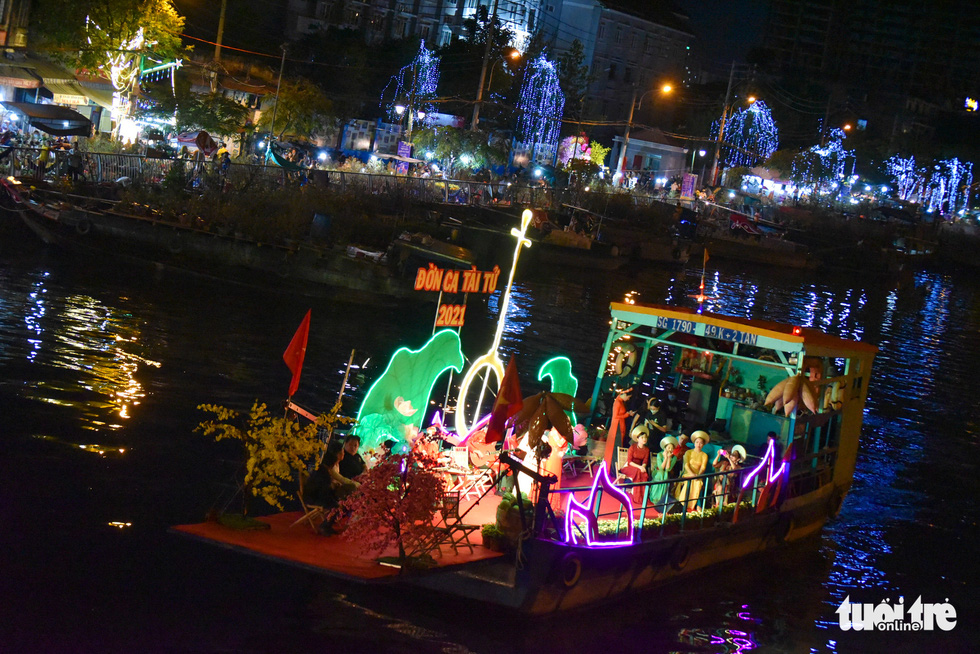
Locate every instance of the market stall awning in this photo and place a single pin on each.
(18, 77)
(55, 120)
(398, 157)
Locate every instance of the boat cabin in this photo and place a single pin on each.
(723, 368)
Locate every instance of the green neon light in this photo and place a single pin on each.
(562, 380)
(410, 375)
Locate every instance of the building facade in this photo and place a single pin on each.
(435, 21)
(626, 47)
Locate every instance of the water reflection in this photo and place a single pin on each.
(99, 346)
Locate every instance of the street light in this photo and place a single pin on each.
(665, 89)
(513, 56)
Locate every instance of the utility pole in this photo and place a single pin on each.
(483, 71)
(275, 109)
(721, 128)
(626, 137)
(411, 106)
(221, 31)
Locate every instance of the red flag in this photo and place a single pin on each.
(508, 404)
(296, 352)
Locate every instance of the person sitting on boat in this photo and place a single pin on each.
(637, 460)
(666, 459)
(680, 449)
(727, 485)
(695, 463)
(326, 486)
(352, 464)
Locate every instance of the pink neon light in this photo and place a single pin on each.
(481, 423)
(769, 459)
(587, 512)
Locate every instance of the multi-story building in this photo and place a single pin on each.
(436, 21)
(627, 46)
(889, 51)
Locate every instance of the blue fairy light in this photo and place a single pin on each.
(751, 135)
(541, 106)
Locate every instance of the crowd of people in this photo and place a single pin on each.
(683, 457)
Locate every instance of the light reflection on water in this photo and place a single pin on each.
(99, 359)
(97, 346)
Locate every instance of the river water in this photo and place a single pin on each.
(102, 366)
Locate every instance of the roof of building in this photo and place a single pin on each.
(660, 12)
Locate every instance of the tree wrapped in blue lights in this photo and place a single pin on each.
(750, 135)
(905, 176)
(822, 166)
(541, 106)
(943, 188)
(415, 85)
(948, 188)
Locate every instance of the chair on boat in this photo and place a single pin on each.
(469, 481)
(622, 458)
(313, 512)
(447, 529)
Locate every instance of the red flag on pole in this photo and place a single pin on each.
(508, 404)
(296, 352)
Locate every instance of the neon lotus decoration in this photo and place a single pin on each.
(770, 460)
(587, 512)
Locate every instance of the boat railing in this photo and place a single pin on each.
(661, 514)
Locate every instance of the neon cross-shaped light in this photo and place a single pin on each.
(491, 360)
(587, 511)
(770, 459)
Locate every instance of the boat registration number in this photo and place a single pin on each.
(451, 315)
(710, 331)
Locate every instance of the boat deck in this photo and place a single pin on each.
(299, 545)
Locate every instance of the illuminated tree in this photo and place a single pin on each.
(823, 165)
(751, 135)
(542, 105)
(905, 176)
(110, 37)
(414, 84)
(457, 148)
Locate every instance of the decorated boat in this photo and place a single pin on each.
(789, 399)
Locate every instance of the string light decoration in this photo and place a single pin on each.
(948, 188)
(415, 84)
(905, 176)
(822, 166)
(541, 105)
(751, 135)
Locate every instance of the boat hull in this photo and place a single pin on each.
(299, 268)
(559, 577)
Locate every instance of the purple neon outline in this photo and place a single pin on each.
(586, 511)
(480, 424)
(770, 459)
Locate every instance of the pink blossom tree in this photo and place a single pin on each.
(394, 503)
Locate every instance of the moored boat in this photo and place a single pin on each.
(729, 234)
(92, 225)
